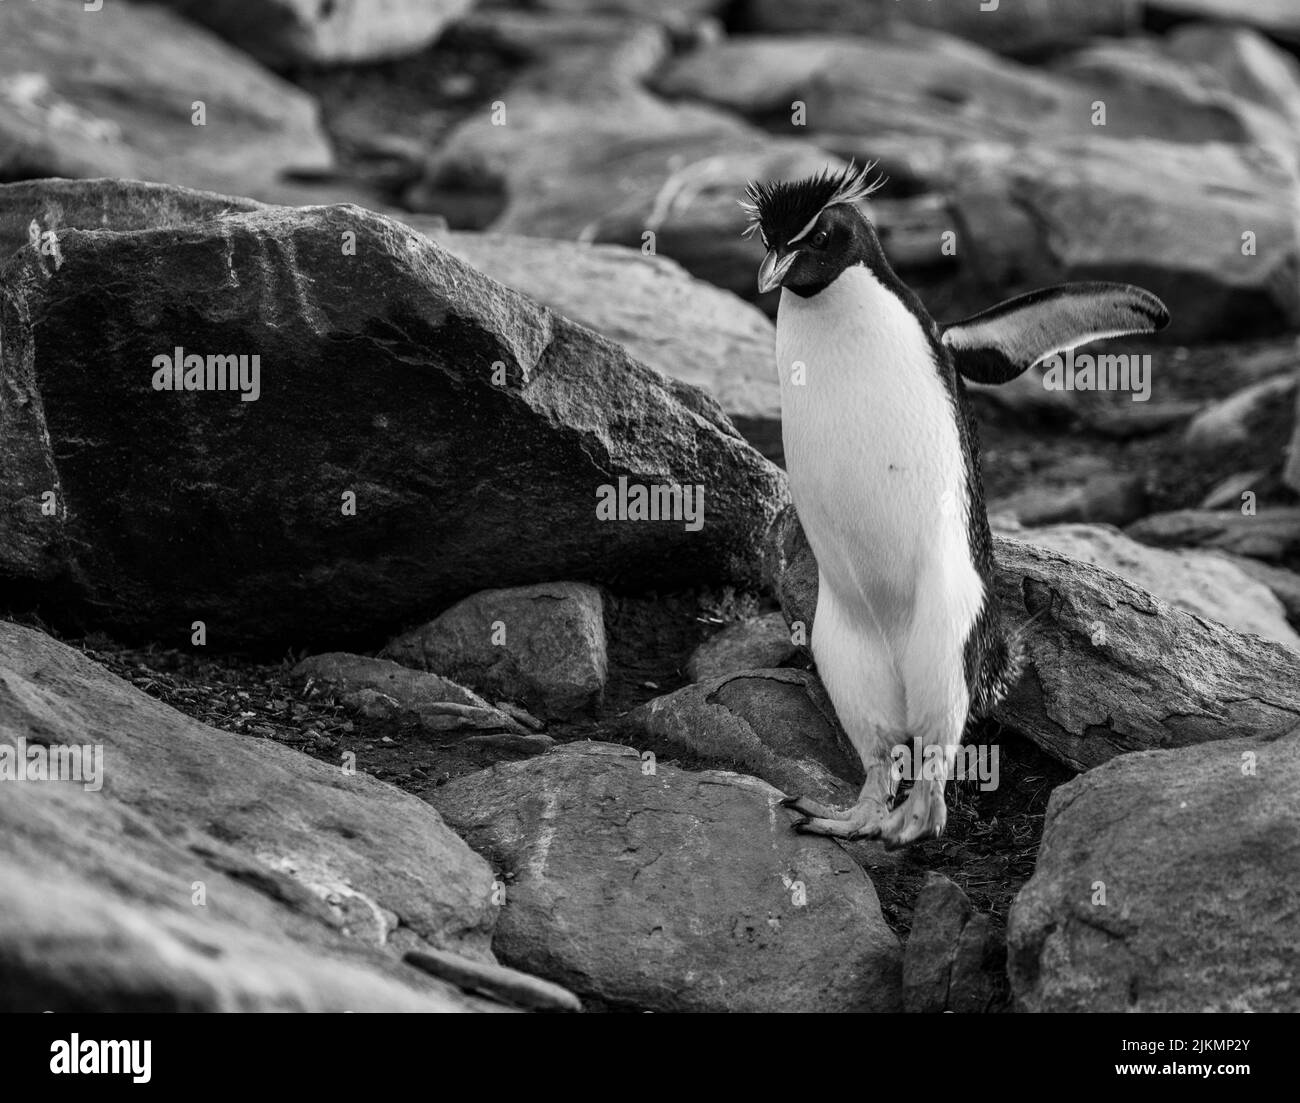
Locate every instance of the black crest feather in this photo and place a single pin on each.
(780, 208)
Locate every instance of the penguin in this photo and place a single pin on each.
(883, 463)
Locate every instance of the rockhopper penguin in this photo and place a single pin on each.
(884, 469)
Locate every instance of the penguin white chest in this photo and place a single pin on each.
(872, 448)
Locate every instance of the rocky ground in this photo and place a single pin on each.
(391, 718)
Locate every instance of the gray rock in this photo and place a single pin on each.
(79, 97)
(513, 418)
(1201, 582)
(952, 961)
(672, 891)
(1272, 533)
(778, 725)
(1165, 882)
(1275, 17)
(1246, 62)
(1101, 208)
(681, 326)
(1284, 584)
(386, 690)
(757, 644)
(1029, 26)
(1109, 498)
(306, 32)
(542, 646)
(315, 880)
(1111, 667)
(1250, 428)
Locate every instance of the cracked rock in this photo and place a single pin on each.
(672, 890)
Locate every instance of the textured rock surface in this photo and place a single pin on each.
(757, 644)
(288, 32)
(951, 962)
(315, 880)
(1112, 668)
(778, 725)
(1166, 882)
(80, 97)
(454, 409)
(672, 891)
(542, 646)
(1271, 533)
(1200, 582)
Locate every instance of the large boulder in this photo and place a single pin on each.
(1271, 534)
(194, 869)
(418, 433)
(79, 96)
(1111, 667)
(1166, 882)
(1167, 216)
(307, 32)
(1201, 582)
(681, 326)
(653, 888)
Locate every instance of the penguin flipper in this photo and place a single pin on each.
(1001, 343)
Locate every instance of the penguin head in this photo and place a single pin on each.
(812, 229)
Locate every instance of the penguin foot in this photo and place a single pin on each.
(922, 815)
(861, 821)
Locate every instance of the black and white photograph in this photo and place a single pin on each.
(678, 506)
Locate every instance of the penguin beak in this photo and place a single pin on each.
(773, 269)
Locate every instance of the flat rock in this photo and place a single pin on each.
(1109, 497)
(759, 643)
(672, 890)
(79, 97)
(1245, 61)
(403, 360)
(1201, 582)
(542, 646)
(1026, 26)
(316, 880)
(1272, 533)
(1111, 667)
(1279, 18)
(381, 689)
(307, 32)
(1165, 882)
(778, 725)
(1103, 208)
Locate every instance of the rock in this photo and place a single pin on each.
(1230, 492)
(1271, 534)
(949, 963)
(588, 154)
(683, 327)
(1284, 584)
(1194, 851)
(1036, 25)
(672, 891)
(515, 420)
(312, 881)
(80, 98)
(778, 725)
(1164, 215)
(385, 690)
(1275, 17)
(757, 644)
(1111, 497)
(496, 981)
(285, 33)
(920, 85)
(1111, 668)
(1246, 62)
(541, 645)
(1199, 581)
(1250, 427)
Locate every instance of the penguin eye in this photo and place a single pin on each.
(819, 239)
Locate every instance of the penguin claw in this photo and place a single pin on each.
(921, 816)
